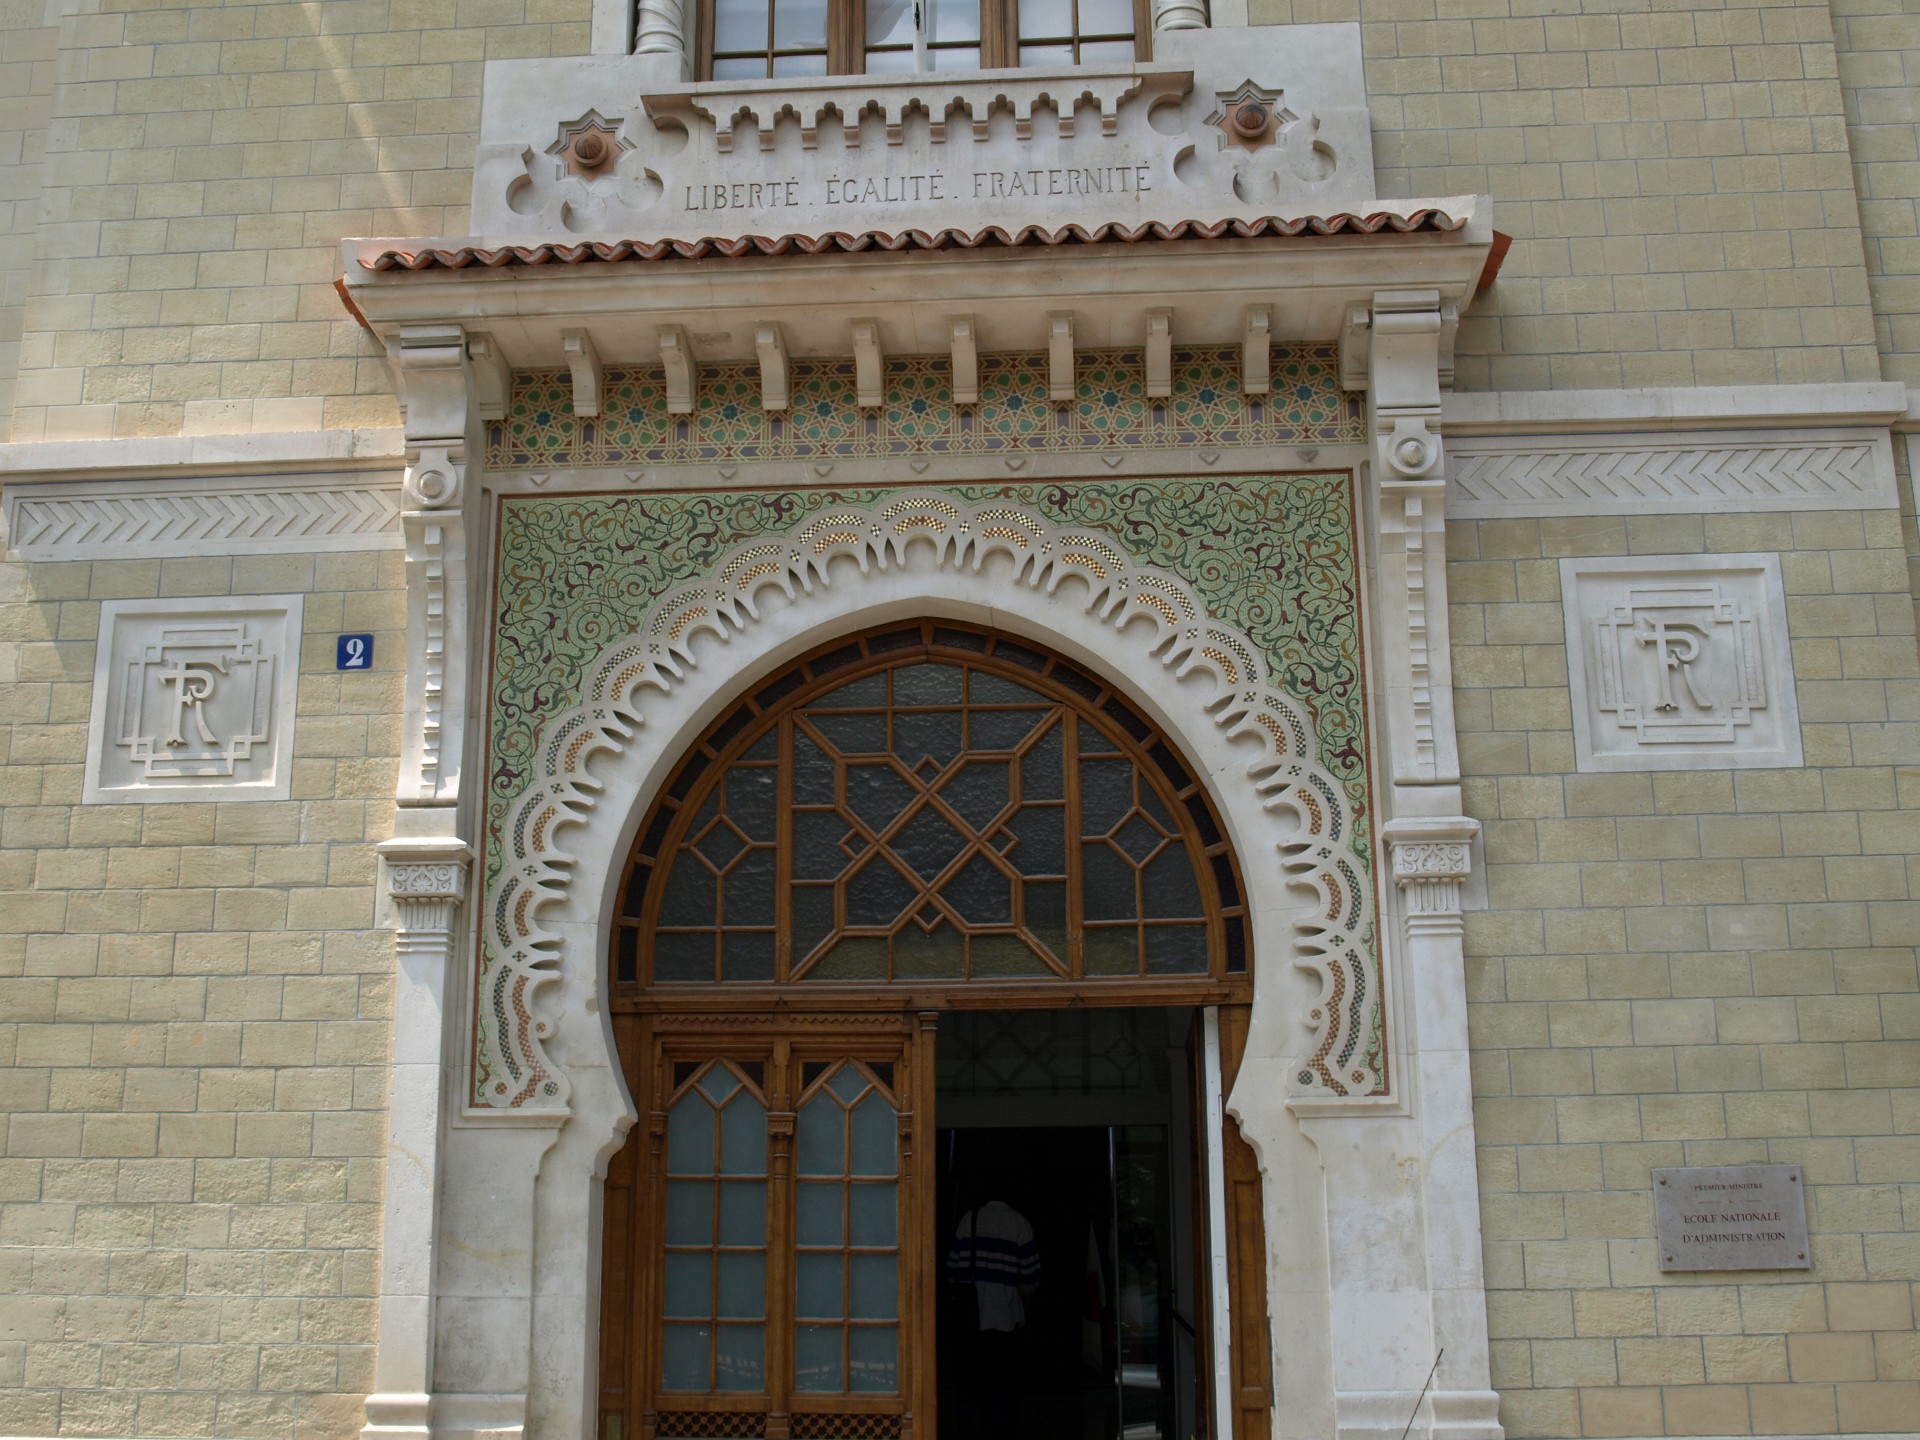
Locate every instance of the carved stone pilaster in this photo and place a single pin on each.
(1398, 348)
(427, 884)
(436, 386)
(1431, 858)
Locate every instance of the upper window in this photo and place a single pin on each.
(779, 39)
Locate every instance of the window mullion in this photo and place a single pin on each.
(846, 36)
(783, 1085)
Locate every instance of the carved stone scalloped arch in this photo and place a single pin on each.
(932, 553)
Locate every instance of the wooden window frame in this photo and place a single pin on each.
(847, 37)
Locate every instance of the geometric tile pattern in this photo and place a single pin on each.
(1275, 556)
(1014, 416)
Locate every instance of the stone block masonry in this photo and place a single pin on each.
(1676, 181)
(195, 1021)
(1700, 967)
(202, 164)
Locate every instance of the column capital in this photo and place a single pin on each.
(427, 882)
(1431, 860)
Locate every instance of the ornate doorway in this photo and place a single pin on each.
(926, 818)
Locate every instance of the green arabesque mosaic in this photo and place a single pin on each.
(1273, 555)
(1305, 407)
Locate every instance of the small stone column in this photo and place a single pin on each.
(1432, 858)
(1179, 15)
(660, 28)
(427, 884)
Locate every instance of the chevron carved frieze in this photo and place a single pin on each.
(94, 520)
(1497, 477)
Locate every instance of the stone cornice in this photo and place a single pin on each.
(1308, 282)
(1689, 407)
(250, 454)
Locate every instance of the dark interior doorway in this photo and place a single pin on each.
(1077, 1122)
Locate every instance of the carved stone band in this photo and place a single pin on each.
(1431, 860)
(427, 881)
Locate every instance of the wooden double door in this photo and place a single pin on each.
(772, 1235)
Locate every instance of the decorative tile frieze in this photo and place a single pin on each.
(193, 699)
(1679, 662)
(918, 417)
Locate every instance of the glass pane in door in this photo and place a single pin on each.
(714, 1280)
(847, 1255)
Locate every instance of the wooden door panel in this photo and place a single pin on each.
(1251, 1339)
(831, 1105)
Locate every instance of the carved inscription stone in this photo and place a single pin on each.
(1226, 124)
(194, 700)
(1679, 662)
(1731, 1217)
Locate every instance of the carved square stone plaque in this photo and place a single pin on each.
(1679, 662)
(1731, 1217)
(193, 700)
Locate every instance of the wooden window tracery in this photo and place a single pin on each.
(935, 806)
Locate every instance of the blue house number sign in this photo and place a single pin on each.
(353, 652)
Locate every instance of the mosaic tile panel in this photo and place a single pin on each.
(1014, 415)
(1273, 555)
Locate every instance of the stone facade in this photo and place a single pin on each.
(251, 1182)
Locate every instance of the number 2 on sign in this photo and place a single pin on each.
(353, 652)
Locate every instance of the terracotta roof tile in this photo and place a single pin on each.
(464, 257)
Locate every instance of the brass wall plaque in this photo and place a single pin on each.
(1731, 1217)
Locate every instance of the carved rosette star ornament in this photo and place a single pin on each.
(588, 148)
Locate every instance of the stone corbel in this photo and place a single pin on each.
(1159, 353)
(1395, 348)
(436, 384)
(869, 365)
(1061, 382)
(683, 375)
(426, 888)
(966, 362)
(1256, 351)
